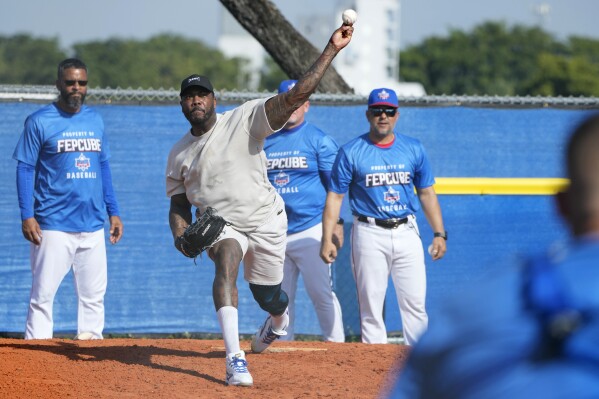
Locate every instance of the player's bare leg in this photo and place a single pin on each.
(227, 255)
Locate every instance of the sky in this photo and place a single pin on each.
(88, 20)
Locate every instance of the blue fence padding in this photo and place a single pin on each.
(154, 289)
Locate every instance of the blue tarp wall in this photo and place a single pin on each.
(154, 289)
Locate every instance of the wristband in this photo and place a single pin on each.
(442, 235)
(340, 221)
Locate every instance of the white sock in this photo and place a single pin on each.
(280, 323)
(228, 320)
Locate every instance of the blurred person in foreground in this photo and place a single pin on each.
(300, 157)
(65, 191)
(532, 332)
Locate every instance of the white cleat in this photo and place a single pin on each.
(237, 370)
(84, 336)
(265, 336)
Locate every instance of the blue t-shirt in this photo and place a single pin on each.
(381, 181)
(295, 159)
(66, 151)
(486, 342)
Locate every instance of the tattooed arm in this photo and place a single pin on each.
(280, 107)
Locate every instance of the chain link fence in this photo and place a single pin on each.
(171, 96)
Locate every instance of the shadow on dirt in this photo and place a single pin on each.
(126, 354)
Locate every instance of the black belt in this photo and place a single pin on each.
(386, 223)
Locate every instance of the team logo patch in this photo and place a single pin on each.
(391, 196)
(281, 179)
(82, 163)
(383, 95)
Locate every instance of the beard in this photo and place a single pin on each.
(72, 100)
(196, 117)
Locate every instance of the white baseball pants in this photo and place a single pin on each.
(50, 263)
(302, 255)
(378, 253)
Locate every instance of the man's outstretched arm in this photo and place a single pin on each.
(280, 107)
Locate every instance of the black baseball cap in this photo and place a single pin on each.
(196, 80)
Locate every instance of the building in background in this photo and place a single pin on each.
(235, 41)
(372, 59)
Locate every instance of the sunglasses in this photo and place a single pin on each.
(390, 112)
(72, 82)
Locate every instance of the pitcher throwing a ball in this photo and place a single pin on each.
(220, 163)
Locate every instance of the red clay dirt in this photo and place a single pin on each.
(191, 368)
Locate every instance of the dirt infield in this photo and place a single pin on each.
(188, 368)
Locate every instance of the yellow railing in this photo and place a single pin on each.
(499, 186)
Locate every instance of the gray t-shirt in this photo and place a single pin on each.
(225, 168)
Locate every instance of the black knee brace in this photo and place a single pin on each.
(271, 298)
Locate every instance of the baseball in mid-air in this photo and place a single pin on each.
(349, 17)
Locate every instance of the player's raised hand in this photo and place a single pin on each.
(342, 36)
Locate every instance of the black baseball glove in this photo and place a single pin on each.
(201, 234)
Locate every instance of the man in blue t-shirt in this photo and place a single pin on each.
(300, 157)
(381, 170)
(65, 189)
(532, 329)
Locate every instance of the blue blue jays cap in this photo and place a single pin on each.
(286, 85)
(383, 96)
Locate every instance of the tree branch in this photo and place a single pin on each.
(287, 47)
